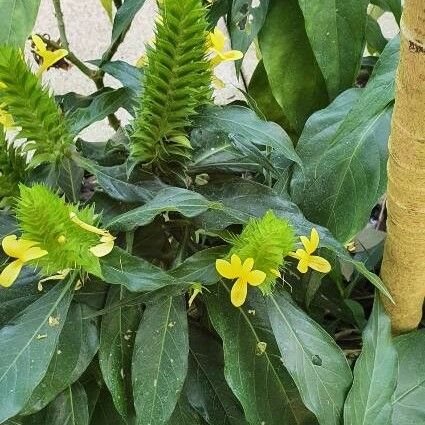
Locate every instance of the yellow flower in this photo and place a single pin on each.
(6, 119)
(307, 260)
(23, 251)
(243, 274)
(106, 239)
(49, 57)
(216, 46)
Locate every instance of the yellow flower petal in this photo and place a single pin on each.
(236, 262)
(102, 249)
(39, 44)
(276, 273)
(86, 226)
(226, 269)
(33, 253)
(303, 265)
(306, 243)
(256, 277)
(314, 240)
(319, 264)
(231, 55)
(248, 264)
(50, 58)
(216, 40)
(10, 273)
(239, 292)
(14, 247)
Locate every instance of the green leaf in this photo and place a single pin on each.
(200, 267)
(246, 21)
(188, 203)
(69, 408)
(107, 5)
(408, 405)
(160, 360)
(375, 374)
(128, 75)
(19, 296)
(102, 105)
(17, 20)
(206, 387)
(296, 80)
(253, 367)
(78, 344)
(117, 335)
(135, 273)
(336, 30)
(259, 89)
(344, 151)
(311, 356)
(124, 18)
(242, 124)
(104, 411)
(375, 40)
(245, 199)
(184, 414)
(113, 180)
(31, 343)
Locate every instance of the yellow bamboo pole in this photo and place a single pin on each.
(403, 268)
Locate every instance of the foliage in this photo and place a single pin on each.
(128, 252)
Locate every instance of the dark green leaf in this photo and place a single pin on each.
(375, 40)
(295, 78)
(160, 360)
(19, 296)
(113, 180)
(336, 30)
(253, 367)
(69, 408)
(101, 106)
(200, 267)
(124, 17)
(242, 123)
(408, 400)
(375, 374)
(117, 335)
(135, 273)
(17, 20)
(184, 414)
(128, 75)
(260, 90)
(186, 202)
(311, 356)
(78, 343)
(31, 343)
(245, 23)
(105, 413)
(344, 151)
(206, 387)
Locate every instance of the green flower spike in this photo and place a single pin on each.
(257, 255)
(67, 235)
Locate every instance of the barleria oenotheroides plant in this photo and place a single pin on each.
(169, 267)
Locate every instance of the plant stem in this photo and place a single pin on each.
(95, 76)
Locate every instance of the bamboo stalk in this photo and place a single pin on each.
(403, 268)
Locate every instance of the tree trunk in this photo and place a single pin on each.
(403, 268)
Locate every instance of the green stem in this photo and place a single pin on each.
(95, 76)
(129, 241)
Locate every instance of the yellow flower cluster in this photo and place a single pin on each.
(25, 251)
(244, 273)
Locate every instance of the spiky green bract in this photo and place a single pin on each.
(12, 171)
(267, 240)
(43, 217)
(177, 82)
(34, 110)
